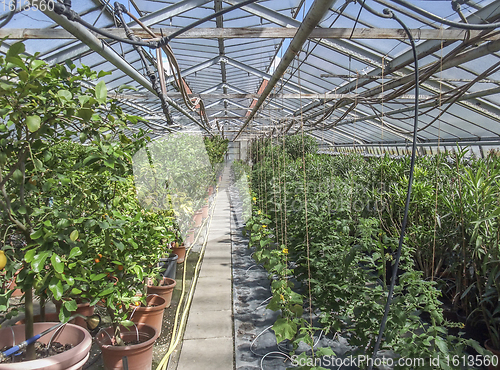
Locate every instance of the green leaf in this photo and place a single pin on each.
(106, 292)
(33, 123)
(284, 329)
(56, 288)
(74, 252)
(38, 262)
(91, 159)
(127, 323)
(37, 234)
(101, 92)
(29, 255)
(38, 164)
(74, 235)
(18, 176)
(57, 263)
(97, 277)
(442, 345)
(22, 210)
(65, 95)
(71, 306)
(16, 49)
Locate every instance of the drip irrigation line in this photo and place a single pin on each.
(69, 13)
(119, 8)
(65, 10)
(389, 14)
(12, 11)
(464, 26)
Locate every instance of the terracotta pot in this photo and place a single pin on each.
(204, 211)
(151, 315)
(180, 251)
(49, 317)
(82, 308)
(496, 352)
(139, 356)
(165, 290)
(190, 237)
(197, 218)
(72, 359)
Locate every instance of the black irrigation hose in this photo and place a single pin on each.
(465, 26)
(63, 9)
(119, 9)
(389, 14)
(11, 14)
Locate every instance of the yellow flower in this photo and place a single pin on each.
(285, 250)
(282, 297)
(259, 212)
(264, 226)
(254, 199)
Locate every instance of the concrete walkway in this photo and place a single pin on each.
(208, 339)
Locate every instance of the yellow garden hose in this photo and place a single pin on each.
(174, 341)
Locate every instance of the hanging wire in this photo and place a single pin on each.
(12, 11)
(389, 14)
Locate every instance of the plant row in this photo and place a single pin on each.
(327, 227)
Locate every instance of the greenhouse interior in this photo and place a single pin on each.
(249, 184)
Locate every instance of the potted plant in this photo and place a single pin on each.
(43, 110)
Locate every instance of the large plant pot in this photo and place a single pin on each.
(180, 251)
(165, 290)
(49, 317)
(72, 359)
(204, 211)
(496, 352)
(84, 309)
(151, 315)
(197, 218)
(190, 237)
(139, 356)
(170, 265)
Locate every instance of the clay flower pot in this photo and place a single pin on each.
(151, 315)
(180, 251)
(49, 317)
(164, 290)
(204, 211)
(197, 218)
(139, 356)
(72, 359)
(84, 309)
(190, 237)
(496, 352)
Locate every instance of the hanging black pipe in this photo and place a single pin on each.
(389, 14)
(119, 9)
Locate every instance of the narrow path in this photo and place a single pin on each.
(208, 339)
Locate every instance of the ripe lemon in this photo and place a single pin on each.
(3, 260)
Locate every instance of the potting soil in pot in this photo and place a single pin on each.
(42, 351)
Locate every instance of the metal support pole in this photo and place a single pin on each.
(313, 17)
